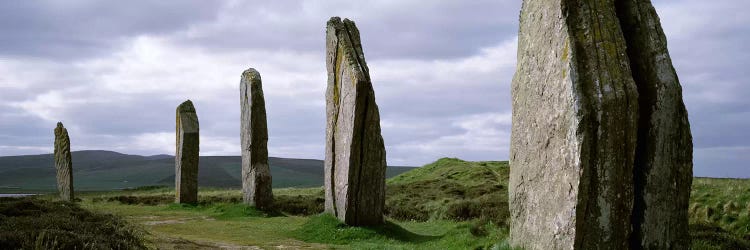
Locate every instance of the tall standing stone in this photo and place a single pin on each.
(355, 154)
(256, 175)
(186, 155)
(600, 137)
(663, 171)
(63, 163)
(574, 129)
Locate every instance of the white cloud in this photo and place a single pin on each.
(159, 143)
(149, 65)
(478, 137)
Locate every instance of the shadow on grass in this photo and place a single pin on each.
(326, 228)
(710, 236)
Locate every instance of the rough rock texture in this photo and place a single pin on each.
(574, 128)
(355, 153)
(256, 175)
(589, 166)
(664, 156)
(186, 155)
(63, 163)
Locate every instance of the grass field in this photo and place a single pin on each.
(449, 204)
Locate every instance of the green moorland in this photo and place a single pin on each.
(448, 204)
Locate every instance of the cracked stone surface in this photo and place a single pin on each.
(186, 155)
(63, 163)
(355, 153)
(601, 152)
(663, 172)
(256, 174)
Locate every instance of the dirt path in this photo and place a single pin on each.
(167, 242)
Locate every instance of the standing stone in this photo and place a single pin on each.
(355, 153)
(186, 155)
(256, 175)
(601, 152)
(574, 128)
(63, 163)
(663, 171)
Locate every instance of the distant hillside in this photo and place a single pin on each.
(95, 170)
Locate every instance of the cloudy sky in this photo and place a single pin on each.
(114, 73)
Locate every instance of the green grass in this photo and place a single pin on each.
(720, 212)
(448, 204)
(232, 224)
(31, 223)
(327, 229)
(451, 189)
(461, 213)
(213, 224)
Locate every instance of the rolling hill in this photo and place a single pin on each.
(97, 170)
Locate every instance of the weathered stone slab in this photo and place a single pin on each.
(63, 163)
(574, 128)
(186, 155)
(256, 174)
(663, 171)
(601, 149)
(355, 154)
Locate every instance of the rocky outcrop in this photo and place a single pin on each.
(256, 174)
(663, 172)
(63, 163)
(355, 154)
(590, 154)
(186, 155)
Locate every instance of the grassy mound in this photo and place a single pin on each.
(451, 189)
(28, 223)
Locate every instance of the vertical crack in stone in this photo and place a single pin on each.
(362, 155)
(628, 147)
(605, 79)
(663, 160)
(336, 101)
(349, 28)
(578, 103)
(646, 100)
(354, 155)
(357, 46)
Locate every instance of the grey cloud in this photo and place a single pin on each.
(79, 28)
(724, 162)
(402, 29)
(19, 129)
(708, 45)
